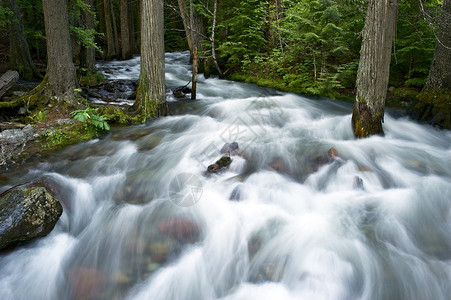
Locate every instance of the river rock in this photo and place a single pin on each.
(86, 283)
(180, 229)
(219, 165)
(27, 213)
(181, 91)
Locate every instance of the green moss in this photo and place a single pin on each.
(92, 79)
(65, 135)
(434, 106)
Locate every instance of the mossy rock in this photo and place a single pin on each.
(27, 212)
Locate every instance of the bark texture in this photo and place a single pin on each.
(111, 48)
(151, 96)
(60, 68)
(125, 34)
(374, 67)
(20, 57)
(88, 54)
(440, 72)
(7, 81)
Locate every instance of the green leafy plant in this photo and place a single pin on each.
(90, 117)
(40, 116)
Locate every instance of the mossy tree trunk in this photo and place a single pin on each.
(60, 68)
(435, 99)
(150, 95)
(20, 57)
(374, 68)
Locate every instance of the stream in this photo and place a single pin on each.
(304, 211)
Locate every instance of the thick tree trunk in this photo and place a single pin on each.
(111, 48)
(151, 96)
(125, 34)
(60, 68)
(440, 72)
(20, 58)
(88, 55)
(434, 106)
(374, 67)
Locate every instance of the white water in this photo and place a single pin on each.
(374, 223)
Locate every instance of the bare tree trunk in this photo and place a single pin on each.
(132, 28)
(125, 34)
(374, 67)
(186, 23)
(88, 54)
(60, 68)
(440, 72)
(151, 96)
(115, 30)
(7, 81)
(20, 58)
(194, 77)
(111, 49)
(101, 10)
(212, 39)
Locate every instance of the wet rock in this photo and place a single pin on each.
(180, 229)
(27, 213)
(22, 111)
(230, 148)
(181, 91)
(86, 283)
(358, 183)
(159, 252)
(236, 194)
(220, 165)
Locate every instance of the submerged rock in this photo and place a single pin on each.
(180, 229)
(27, 213)
(86, 282)
(181, 91)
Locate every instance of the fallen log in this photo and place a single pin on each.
(7, 81)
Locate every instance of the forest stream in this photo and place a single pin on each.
(304, 211)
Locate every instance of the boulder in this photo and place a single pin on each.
(27, 213)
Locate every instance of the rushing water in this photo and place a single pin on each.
(142, 220)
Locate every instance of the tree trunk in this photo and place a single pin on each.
(194, 77)
(434, 106)
(111, 49)
(125, 34)
(440, 72)
(20, 58)
(88, 55)
(151, 96)
(101, 12)
(115, 30)
(132, 34)
(7, 81)
(186, 23)
(374, 67)
(60, 68)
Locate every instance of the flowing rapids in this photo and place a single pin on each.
(304, 211)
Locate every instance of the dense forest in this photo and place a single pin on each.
(308, 47)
